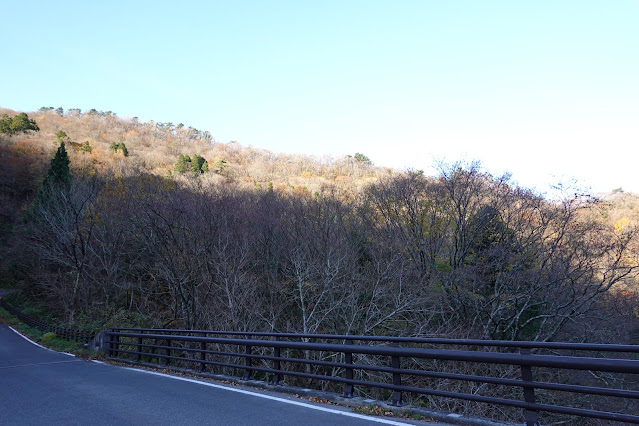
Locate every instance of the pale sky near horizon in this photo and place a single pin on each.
(545, 90)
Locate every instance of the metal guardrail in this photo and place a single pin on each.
(65, 333)
(207, 348)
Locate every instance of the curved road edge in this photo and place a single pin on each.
(42, 386)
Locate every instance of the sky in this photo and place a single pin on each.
(545, 90)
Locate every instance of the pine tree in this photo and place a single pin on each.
(20, 123)
(199, 164)
(219, 166)
(362, 159)
(122, 147)
(60, 134)
(58, 172)
(86, 147)
(196, 164)
(180, 165)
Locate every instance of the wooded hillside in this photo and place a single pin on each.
(159, 224)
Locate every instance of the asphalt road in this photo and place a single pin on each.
(42, 387)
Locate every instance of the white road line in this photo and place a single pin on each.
(29, 340)
(37, 344)
(246, 392)
(275, 398)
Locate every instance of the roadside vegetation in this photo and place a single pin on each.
(46, 338)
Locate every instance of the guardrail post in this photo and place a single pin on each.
(248, 373)
(153, 350)
(276, 363)
(139, 349)
(348, 371)
(110, 345)
(168, 352)
(114, 345)
(202, 355)
(397, 378)
(531, 416)
(117, 345)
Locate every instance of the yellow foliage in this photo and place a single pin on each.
(621, 224)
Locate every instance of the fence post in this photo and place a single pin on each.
(152, 351)
(202, 355)
(248, 373)
(531, 416)
(168, 352)
(348, 371)
(276, 363)
(114, 344)
(139, 349)
(397, 378)
(117, 345)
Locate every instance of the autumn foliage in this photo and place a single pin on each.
(256, 241)
(291, 243)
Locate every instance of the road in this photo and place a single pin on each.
(42, 387)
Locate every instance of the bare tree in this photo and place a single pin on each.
(60, 228)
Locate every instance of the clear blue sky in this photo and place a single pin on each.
(542, 89)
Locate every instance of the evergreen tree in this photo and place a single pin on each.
(20, 123)
(199, 164)
(181, 164)
(362, 158)
(60, 134)
(219, 166)
(58, 172)
(86, 147)
(196, 164)
(122, 147)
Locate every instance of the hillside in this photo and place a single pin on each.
(155, 147)
(262, 241)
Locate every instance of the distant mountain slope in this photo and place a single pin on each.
(155, 147)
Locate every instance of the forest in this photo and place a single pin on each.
(112, 221)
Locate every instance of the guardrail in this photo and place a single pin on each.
(65, 333)
(271, 354)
